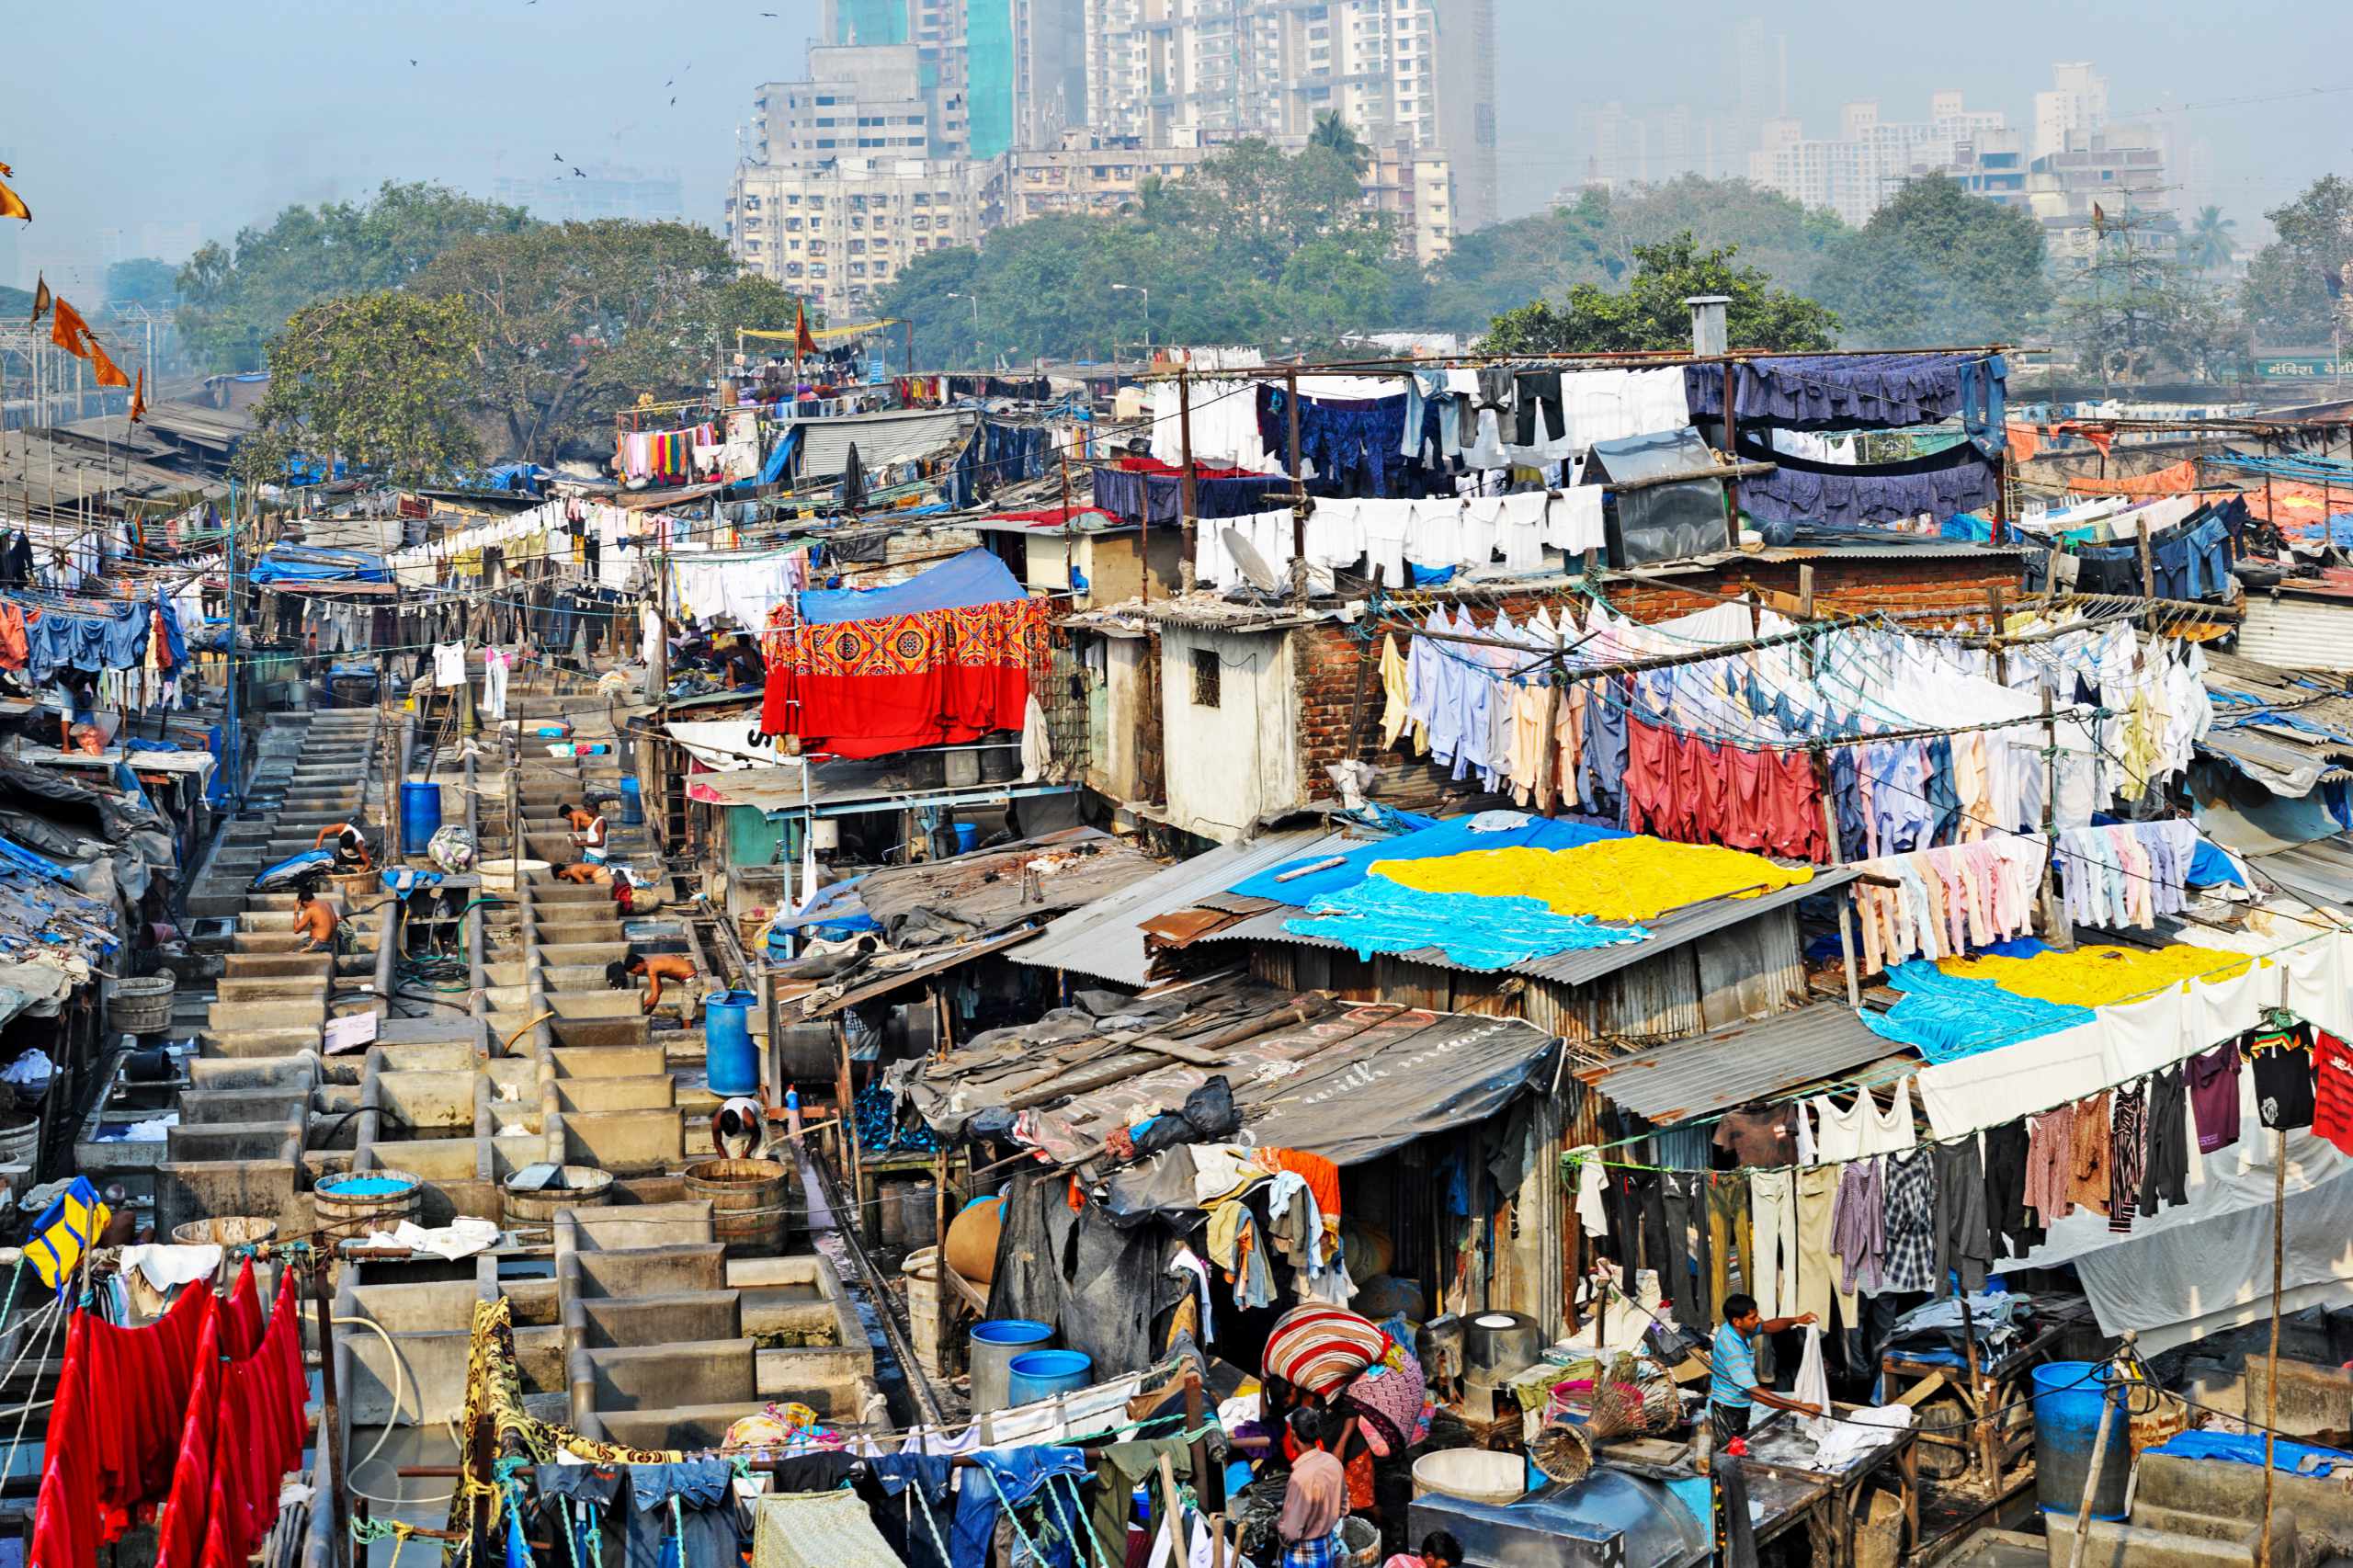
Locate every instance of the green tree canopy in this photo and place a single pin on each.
(2289, 297)
(234, 298)
(377, 379)
(2133, 312)
(1938, 265)
(142, 281)
(1592, 240)
(1334, 135)
(1648, 313)
(2210, 244)
(580, 319)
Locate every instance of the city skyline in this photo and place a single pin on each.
(590, 105)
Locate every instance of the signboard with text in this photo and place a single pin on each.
(2304, 367)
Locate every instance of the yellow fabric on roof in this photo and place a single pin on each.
(1615, 878)
(2095, 976)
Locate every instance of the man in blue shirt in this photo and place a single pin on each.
(1732, 1390)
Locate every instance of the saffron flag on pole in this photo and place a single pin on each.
(13, 205)
(42, 300)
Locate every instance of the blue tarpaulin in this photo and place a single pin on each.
(780, 455)
(1447, 838)
(293, 563)
(2247, 1448)
(976, 577)
(1378, 915)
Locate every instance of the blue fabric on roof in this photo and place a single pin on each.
(1446, 839)
(1476, 931)
(976, 577)
(780, 455)
(2247, 1448)
(1847, 391)
(1945, 1017)
(293, 563)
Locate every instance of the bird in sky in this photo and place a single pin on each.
(674, 103)
(582, 176)
(412, 63)
(558, 157)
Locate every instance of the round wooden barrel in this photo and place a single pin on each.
(228, 1231)
(575, 1186)
(351, 1206)
(750, 1202)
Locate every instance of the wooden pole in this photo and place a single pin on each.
(2271, 1367)
(1547, 794)
(1188, 499)
(2001, 659)
(330, 1415)
(2148, 571)
(1297, 486)
(1732, 443)
(1209, 1482)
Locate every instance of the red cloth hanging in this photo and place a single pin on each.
(934, 677)
(202, 1411)
(114, 1429)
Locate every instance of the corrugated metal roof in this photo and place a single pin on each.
(2298, 631)
(1102, 940)
(1577, 966)
(2320, 872)
(881, 438)
(1737, 1064)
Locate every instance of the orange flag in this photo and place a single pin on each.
(41, 301)
(139, 396)
(803, 343)
(13, 205)
(103, 368)
(69, 331)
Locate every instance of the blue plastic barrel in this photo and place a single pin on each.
(420, 814)
(632, 802)
(1041, 1374)
(730, 1066)
(967, 838)
(2067, 1399)
(991, 1349)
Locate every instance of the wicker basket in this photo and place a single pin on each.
(141, 1004)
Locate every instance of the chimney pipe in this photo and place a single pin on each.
(1708, 330)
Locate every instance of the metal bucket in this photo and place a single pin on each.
(990, 1351)
(21, 1142)
(750, 1203)
(350, 1205)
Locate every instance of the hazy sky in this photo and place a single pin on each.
(178, 116)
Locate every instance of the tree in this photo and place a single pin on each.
(580, 319)
(2133, 312)
(1592, 240)
(142, 281)
(1936, 265)
(2295, 285)
(1649, 313)
(378, 380)
(234, 298)
(2210, 244)
(1334, 135)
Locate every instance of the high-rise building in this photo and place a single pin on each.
(1858, 172)
(997, 74)
(858, 101)
(1416, 72)
(839, 231)
(2076, 101)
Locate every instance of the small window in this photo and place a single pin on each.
(1206, 674)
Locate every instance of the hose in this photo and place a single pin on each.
(399, 1384)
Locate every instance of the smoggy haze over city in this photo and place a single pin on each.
(186, 124)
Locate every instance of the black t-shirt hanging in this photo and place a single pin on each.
(2281, 1060)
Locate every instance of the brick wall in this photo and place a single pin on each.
(1326, 656)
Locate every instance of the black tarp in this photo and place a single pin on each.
(1100, 1287)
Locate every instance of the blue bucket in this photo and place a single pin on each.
(967, 838)
(632, 802)
(1041, 1374)
(420, 814)
(731, 1064)
(2067, 1399)
(990, 1350)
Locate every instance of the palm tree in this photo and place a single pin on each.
(2211, 245)
(1334, 135)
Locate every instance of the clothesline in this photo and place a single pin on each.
(1907, 1070)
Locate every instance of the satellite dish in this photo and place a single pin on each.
(1253, 565)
